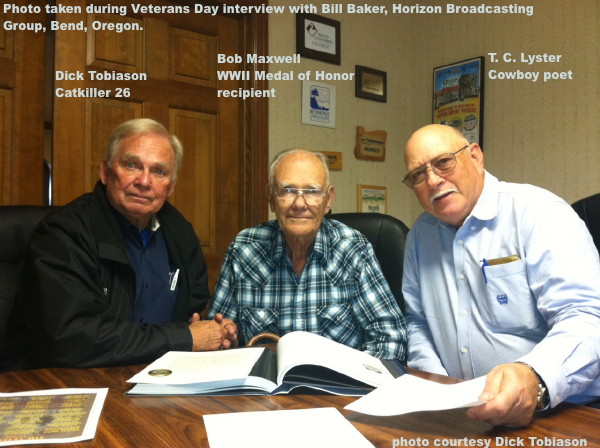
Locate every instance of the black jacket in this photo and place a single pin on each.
(79, 288)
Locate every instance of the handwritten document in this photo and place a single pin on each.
(409, 393)
(299, 428)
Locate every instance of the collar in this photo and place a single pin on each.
(125, 225)
(486, 207)
(319, 247)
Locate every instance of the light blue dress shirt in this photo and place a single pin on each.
(465, 317)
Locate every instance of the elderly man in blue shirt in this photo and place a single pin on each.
(301, 272)
(500, 279)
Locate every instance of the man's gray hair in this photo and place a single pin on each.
(282, 154)
(142, 126)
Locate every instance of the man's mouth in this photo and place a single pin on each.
(441, 195)
(139, 198)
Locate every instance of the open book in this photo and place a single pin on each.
(303, 360)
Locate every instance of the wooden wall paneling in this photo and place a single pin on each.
(102, 116)
(5, 144)
(27, 116)
(68, 167)
(193, 57)
(157, 48)
(115, 51)
(255, 123)
(231, 189)
(195, 191)
(6, 37)
(7, 76)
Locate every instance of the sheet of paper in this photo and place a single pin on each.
(50, 416)
(409, 393)
(300, 348)
(300, 428)
(199, 367)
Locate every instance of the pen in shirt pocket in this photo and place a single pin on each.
(495, 262)
(174, 280)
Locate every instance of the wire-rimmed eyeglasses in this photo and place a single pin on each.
(288, 195)
(442, 164)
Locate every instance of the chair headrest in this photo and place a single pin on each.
(16, 225)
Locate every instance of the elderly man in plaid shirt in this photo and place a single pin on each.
(303, 273)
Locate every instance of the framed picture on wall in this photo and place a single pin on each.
(372, 199)
(318, 104)
(370, 84)
(318, 37)
(458, 97)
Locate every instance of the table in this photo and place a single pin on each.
(175, 422)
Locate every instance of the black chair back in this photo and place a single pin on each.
(588, 210)
(387, 235)
(16, 225)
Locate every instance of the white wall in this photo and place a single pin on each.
(540, 133)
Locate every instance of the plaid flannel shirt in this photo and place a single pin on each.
(341, 294)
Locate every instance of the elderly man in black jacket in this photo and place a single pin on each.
(118, 276)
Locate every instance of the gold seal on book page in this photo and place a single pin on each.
(160, 372)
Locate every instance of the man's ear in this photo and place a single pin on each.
(476, 155)
(272, 198)
(330, 198)
(104, 171)
(171, 188)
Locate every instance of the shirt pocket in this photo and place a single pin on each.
(258, 320)
(337, 322)
(509, 304)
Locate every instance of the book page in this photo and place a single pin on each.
(50, 416)
(409, 393)
(328, 427)
(198, 367)
(299, 347)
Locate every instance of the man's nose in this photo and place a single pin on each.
(302, 204)
(433, 178)
(143, 178)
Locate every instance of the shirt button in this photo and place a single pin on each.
(464, 350)
(461, 277)
(460, 241)
(473, 227)
(463, 312)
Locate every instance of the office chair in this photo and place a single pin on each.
(387, 235)
(16, 225)
(588, 210)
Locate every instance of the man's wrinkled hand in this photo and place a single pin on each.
(231, 337)
(510, 393)
(216, 334)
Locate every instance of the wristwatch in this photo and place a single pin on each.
(543, 397)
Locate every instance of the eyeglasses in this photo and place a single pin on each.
(442, 164)
(288, 195)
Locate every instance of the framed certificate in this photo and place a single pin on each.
(318, 37)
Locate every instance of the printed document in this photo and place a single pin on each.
(409, 393)
(50, 416)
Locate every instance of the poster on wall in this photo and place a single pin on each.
(458, 97)
(318, 104)
(372, 199)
